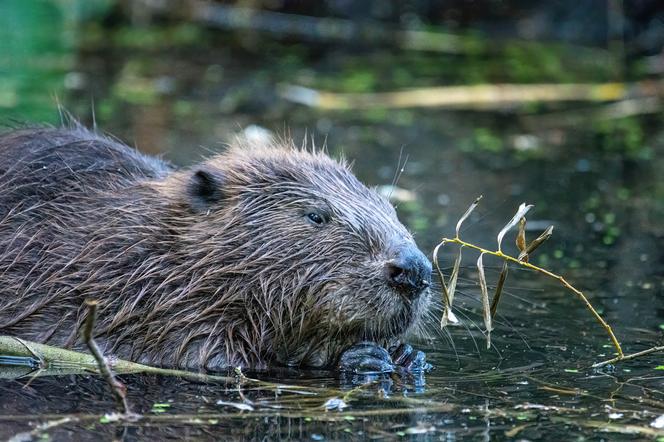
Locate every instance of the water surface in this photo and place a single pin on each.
(181, 90)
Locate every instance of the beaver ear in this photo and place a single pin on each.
(204, 189)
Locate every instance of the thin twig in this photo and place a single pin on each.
(118, 388)
(628, 357)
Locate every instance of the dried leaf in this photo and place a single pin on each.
(521, 236)
(446, 297)
(448, 316)
(534, 244)
(523, 209)
(467, 214)
(499, 289)
(486, 309)
(453, 277)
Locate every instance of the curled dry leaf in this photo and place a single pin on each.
(499, 289)
(534, 244)
(521, 236)
(486, 309)
(467, 214)
(523, 209)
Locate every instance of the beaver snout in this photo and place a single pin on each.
(409, 271)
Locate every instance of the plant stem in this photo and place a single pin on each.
(560, 279)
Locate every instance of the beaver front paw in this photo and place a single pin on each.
(366, 358)
(370, 358)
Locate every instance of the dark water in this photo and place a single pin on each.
(181, 90)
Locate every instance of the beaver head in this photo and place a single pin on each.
(300, 258)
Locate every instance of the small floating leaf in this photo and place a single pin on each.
(335, 404)
(659, 367)
(468, 212)
(534, 244)
(499, 289)
(523, 209)
(486, 309)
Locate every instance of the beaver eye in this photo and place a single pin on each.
(315, 218)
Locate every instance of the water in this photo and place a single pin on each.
(181, 90)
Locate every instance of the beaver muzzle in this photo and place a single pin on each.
(409, 271)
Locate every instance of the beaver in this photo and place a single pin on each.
(264, 254)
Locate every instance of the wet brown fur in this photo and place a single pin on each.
(210, 266)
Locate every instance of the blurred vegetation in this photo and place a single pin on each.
(150, 74)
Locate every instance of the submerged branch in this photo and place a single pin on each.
(17, 353)
(53, 360)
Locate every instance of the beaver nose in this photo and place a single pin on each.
(409, 271)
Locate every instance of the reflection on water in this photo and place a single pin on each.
(181, 90)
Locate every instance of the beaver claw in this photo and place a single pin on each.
(409, 359)
(370, 358)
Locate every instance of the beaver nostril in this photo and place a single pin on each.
(394, 272)
(409, 273)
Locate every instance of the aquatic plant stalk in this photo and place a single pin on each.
(521, 260)
(559, 278)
